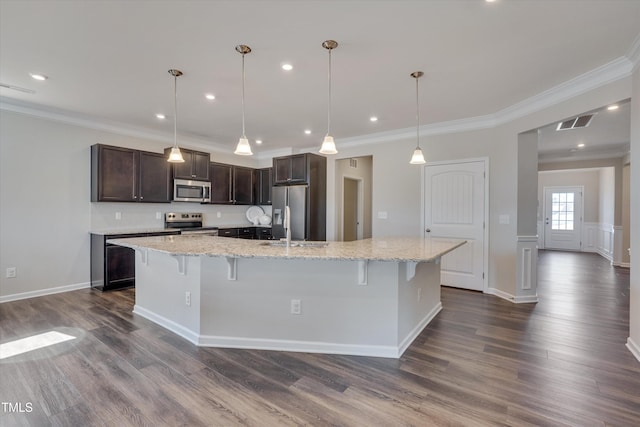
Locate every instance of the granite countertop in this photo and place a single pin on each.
(398, 249)
(107, 232)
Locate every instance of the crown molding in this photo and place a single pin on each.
(89, 122)
(634, 53)
(617, 69)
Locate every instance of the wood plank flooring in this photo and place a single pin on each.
(482, 362)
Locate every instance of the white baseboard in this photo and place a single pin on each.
(43, 292)
(290, 345)
(185, 333)
(622, 264)
(507, 296)
(633, 348)
(299, 346)
(413, 334)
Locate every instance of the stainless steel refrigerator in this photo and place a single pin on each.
(296, 197)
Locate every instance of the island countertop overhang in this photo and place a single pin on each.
(395, 249)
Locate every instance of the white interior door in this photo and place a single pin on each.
(455, 208)
(563, 218)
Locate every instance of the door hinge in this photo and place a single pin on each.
(484, 224)
(482, 275)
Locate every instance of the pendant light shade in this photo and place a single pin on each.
(175, 156)
(329, 145)
(418, 157)
(243, 148)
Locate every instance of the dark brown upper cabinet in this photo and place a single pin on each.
(243, 185)
(232, 184)
(294, 169)
(126, 175)
(195, 166)
(221, 183)
(264, 184)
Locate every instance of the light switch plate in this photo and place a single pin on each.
(382, 215)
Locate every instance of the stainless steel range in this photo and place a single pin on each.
(188, 223)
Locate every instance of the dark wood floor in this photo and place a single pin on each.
(482, 361)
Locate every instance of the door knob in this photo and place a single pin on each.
(428, 230)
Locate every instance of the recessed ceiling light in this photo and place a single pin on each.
(210, 96)
(40, 77)
(613, 107)
(161, 116)
(490, 1)
(307, 131)
(287, 67)
(580, 145)
(258, 141)
(373, 119)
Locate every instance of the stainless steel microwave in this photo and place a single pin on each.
(185, 190)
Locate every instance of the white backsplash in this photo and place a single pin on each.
(144, 215)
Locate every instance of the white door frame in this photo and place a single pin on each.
(485, 249)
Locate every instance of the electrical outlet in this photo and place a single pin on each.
(219, 214)
(118, 216)
(187, 298)
(11, 272)
(158, 215)
(419, 294)
(296, 307)
(383, 215)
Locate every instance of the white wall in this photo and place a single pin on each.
(607, 196)
(626, 214)
(45, 208)
(634, 334)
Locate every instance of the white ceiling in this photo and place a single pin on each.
(109, 60)
(607, 135)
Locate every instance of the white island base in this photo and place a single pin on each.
(356, 307)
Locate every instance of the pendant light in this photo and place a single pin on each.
(175, 156)
(418, 157)
(243, 148)
(328, 145)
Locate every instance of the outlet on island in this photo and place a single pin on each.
(296, 307)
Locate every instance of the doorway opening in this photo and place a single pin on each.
(352, 209)
(563, 215)
(353, 198)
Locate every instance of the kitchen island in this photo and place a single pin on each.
(368, 297)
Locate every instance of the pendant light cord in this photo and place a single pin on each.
(417, 115)
(329, 98)
(175, 110)
(243, 135)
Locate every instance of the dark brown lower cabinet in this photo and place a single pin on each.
(113, 266)
(261, 233)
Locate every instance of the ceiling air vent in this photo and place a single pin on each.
(578, 122)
